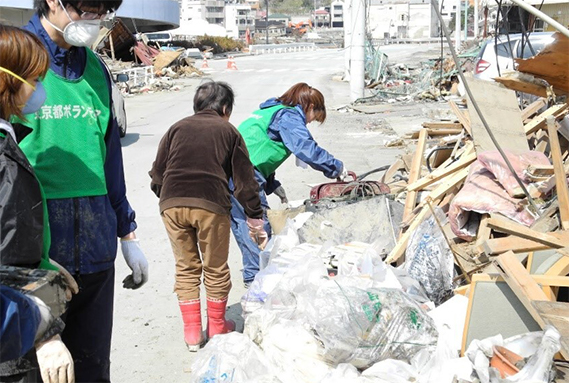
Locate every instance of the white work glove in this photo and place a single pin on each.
(257, 232)
(280, 192)
(72, 286)
(55, 361)
(343, 174)
(137, 262)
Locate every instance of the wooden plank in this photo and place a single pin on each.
(483, 230)
(543, 171)
(394, 168)
(551, 280)
(541, 142)
(533, 108)
(504, 225)
(465, 160)
(538, 122)
(522, 284)
(518, 245)
(442, 125)
(560, 178)
(549, 63)
(462, 117)
(415, 173)
(556, 314)
(500, 109)
(447, 185)
(522, 86)
(399, 250)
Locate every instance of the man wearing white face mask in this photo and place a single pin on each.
(75, 150)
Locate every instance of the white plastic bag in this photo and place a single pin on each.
(231, 358)
(429, 259)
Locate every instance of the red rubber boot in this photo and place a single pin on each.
(216, 322)
(192, 317)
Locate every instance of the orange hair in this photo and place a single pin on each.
(308, 98)
(22, 53)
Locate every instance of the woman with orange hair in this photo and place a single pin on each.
(24, 232)
(272, 133)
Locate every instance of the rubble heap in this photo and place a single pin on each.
(462, 278)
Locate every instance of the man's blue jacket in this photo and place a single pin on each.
(84, 230)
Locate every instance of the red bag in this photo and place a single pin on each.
(354, 188)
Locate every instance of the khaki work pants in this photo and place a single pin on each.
(192, 230)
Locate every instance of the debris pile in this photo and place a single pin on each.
(433, 79)
(150, 69)
(461, 278)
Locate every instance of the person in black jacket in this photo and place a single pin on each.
(24, 233)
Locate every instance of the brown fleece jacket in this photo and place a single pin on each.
(195, 160)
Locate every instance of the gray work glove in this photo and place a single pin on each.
(280, 192)
(137, 262)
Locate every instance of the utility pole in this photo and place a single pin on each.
(357, 58)
(457, 29)
(267, 20)
(476, 18)
(347, 17)
(466, 4)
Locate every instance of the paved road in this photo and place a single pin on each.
(148, 342)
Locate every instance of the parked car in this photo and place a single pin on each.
(502, 54)
(160, 37)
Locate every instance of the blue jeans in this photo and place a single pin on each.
(249, 249)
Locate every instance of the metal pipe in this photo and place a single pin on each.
(536, 12)
(435, 5)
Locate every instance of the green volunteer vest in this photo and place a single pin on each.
(67, 146)
(265, 154)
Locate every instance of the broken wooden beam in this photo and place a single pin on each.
(415, 173)
(504, 225)
(560, 178)
(538, 122)
(496, 246)
(468, 157)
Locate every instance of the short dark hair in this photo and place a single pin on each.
(214, 95)
(105, 5)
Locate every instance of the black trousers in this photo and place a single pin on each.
(88, 326)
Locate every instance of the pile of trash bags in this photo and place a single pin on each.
(367, 322)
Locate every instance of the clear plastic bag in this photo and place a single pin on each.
(231, 358)
(363, 327)
(429, 259)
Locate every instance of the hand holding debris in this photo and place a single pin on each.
(257, 231)
(71, 285)
(280, 192)
(343, 174)
(137, 262)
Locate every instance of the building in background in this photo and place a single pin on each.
(239, 17)
(321, 18)
(402, 19)
(138, 15)
(337, 14)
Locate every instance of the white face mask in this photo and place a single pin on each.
(81, 33)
